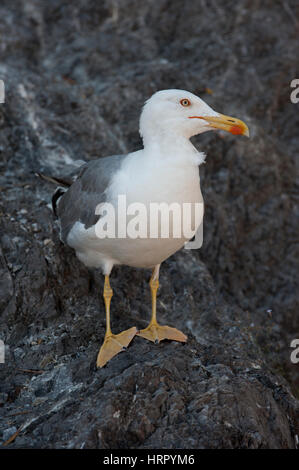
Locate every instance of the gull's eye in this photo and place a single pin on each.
(185, 102)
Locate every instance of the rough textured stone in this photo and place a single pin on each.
(76, 75)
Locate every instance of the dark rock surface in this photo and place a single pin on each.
(76, 76)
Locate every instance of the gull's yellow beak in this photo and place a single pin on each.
(226, 123)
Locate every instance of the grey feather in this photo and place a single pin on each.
(67, 175)
(79, 202)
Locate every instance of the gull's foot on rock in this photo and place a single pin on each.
(156, 333)
(113, 344)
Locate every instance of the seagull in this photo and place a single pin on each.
(164, 171)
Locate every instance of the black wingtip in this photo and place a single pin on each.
(58, 193)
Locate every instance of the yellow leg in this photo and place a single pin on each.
(113, 344)
(155, 332)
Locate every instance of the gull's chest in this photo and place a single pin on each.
(162, 184)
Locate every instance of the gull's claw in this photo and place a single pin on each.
(156, 333)
(114, 344)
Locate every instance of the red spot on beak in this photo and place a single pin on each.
(236, 130)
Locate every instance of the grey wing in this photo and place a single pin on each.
(79, 202)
